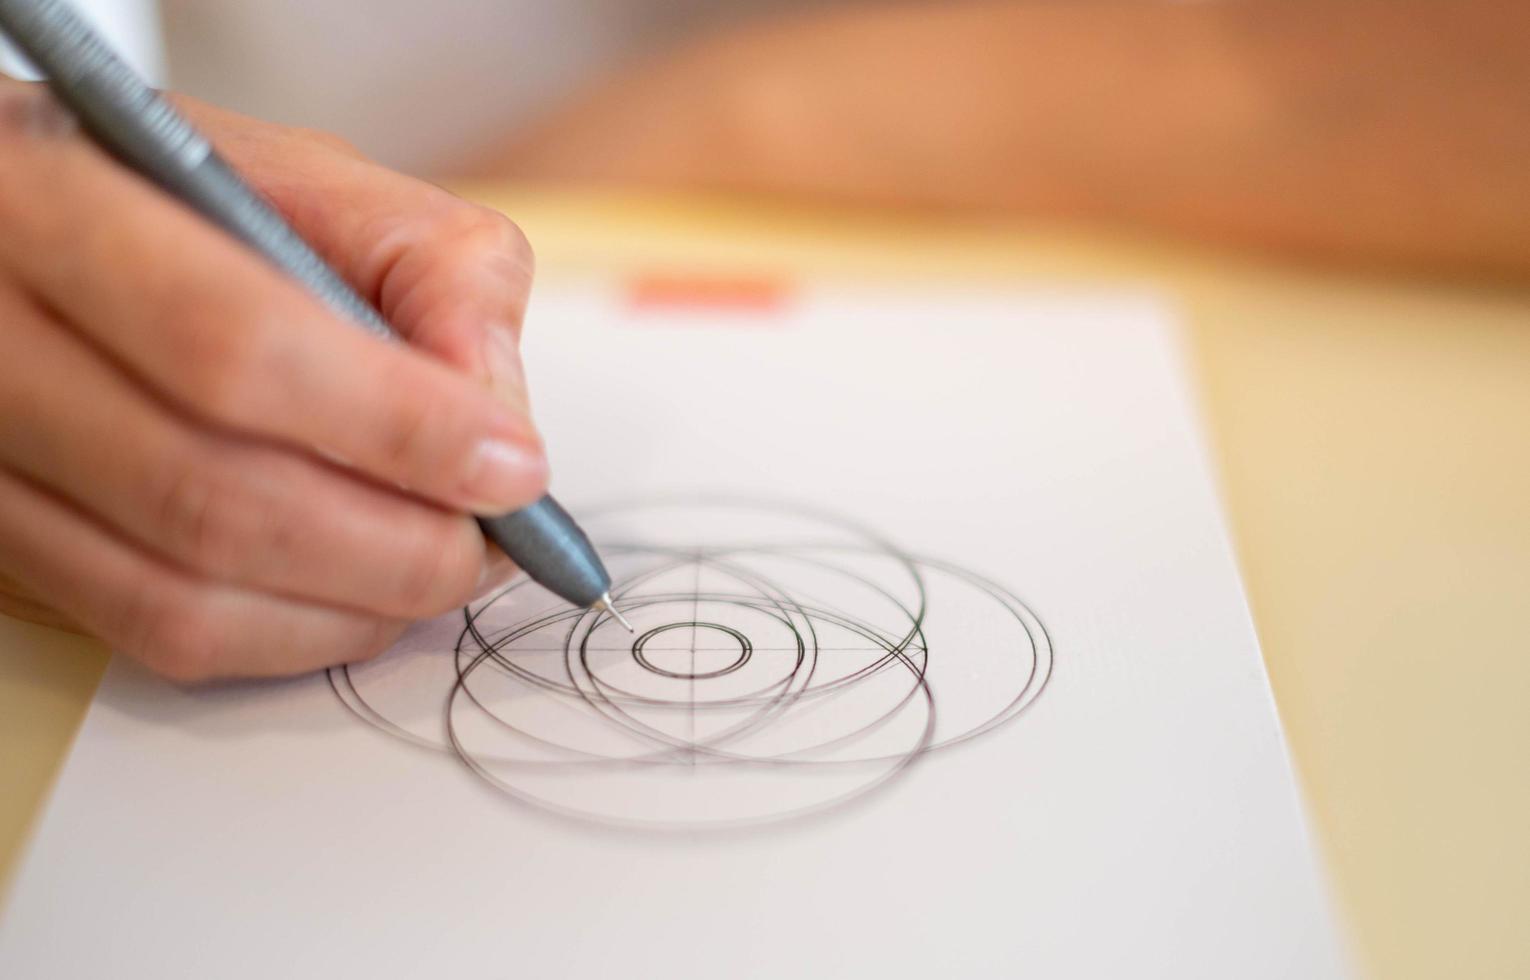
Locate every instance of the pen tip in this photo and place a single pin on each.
(610, 607)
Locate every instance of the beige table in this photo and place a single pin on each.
(1374, 445)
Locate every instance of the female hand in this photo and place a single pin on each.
(198, 462)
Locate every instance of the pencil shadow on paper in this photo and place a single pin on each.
(784, 663)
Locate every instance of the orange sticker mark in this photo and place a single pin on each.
(730, 294)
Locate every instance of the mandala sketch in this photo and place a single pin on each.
(784, 663)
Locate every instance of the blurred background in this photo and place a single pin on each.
(418, 86)
(1337, 192)
(1386, 134)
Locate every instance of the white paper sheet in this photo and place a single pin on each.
(974, 693)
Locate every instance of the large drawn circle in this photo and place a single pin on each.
(839, 661)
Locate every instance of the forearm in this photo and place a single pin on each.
(1375, 130)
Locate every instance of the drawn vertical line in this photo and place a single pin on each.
(858, 723)
(695, 626)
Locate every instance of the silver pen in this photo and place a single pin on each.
(141, 130)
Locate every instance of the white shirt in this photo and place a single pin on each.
(417, 83)
(414, 83)
(130, 26)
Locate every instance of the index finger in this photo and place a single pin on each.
(212, 328)
(451, 276)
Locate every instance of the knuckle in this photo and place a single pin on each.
(328, 140)
(423, 425)
(484, 231)
(420, 577)
(28, 117)
(28, 111)
(440, 573)
(406, 441)
(378, 639)
(204, 515)
(226, 372)
(172, 634)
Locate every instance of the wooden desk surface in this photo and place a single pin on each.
(1374, 445)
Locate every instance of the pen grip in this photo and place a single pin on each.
(551, 548)
(217, 192)
(134, 123)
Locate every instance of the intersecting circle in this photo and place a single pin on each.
(785, 663)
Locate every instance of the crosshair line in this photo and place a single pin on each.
(857, 737)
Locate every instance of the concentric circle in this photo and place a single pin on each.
(640, 652)
(785, 663)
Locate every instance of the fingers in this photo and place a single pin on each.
(217, 332)
(457, 288)
(451, 276)
(18, 602)
(229, 508)
(186, 629)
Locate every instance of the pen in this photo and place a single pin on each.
(132, 122)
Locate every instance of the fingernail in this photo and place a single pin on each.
(507, 373)
(500, 474)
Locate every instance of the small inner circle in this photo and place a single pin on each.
(683, 660)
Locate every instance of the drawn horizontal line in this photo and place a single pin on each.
(686, 649)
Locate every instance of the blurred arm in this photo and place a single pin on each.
(1391, 132)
